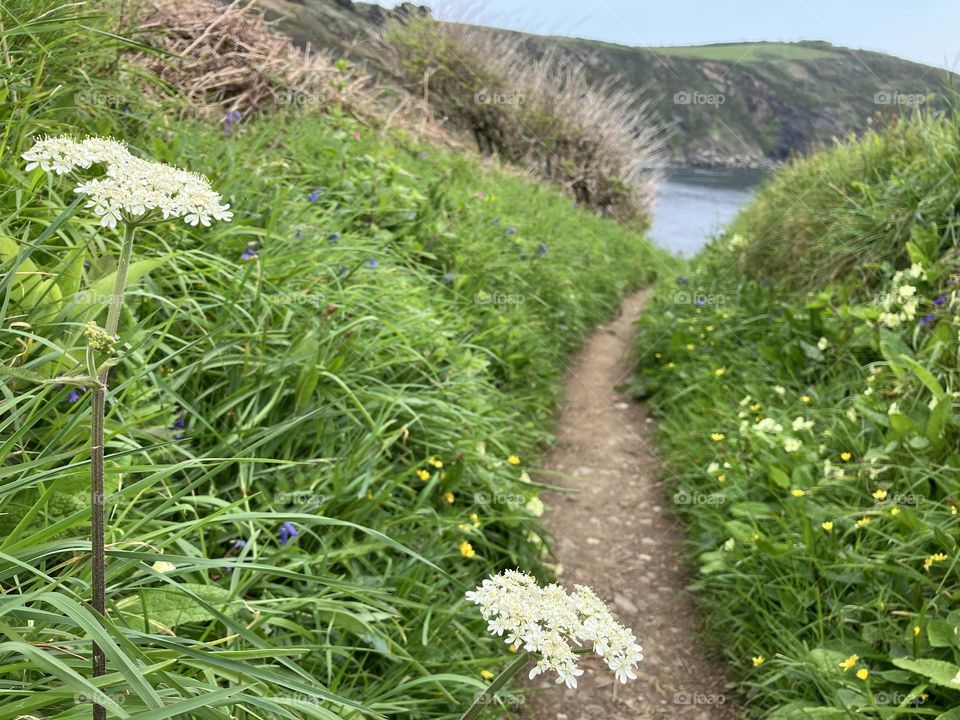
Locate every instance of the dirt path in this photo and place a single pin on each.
(616, 535)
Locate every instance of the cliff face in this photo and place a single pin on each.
(741, 104)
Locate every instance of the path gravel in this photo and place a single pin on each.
(616, 535)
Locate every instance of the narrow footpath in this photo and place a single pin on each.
(616, 534)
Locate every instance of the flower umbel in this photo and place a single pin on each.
(131, 189)
(552, 623)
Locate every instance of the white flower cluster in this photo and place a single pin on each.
(131, 188)
(901, 304)
(549, 622)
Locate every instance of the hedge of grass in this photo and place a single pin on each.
(813, 437)
(320, 431)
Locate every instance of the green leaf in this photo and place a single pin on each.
(167, 607)
(937, 671)
(941, 633)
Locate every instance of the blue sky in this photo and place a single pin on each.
(923, 30)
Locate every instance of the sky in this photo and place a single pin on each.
(926, 31)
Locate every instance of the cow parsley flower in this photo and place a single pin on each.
(130, 189)
(553, 624)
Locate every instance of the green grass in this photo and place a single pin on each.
(744, 52)
(812, 439)
(421, 307)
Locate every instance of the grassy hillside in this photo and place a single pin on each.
(322, 416)
(805, 374)
(736, 103)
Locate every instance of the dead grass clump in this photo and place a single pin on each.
(227, 58)
(543, 113)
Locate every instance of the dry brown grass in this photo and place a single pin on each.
(542, 113)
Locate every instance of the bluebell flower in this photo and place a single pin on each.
(928, 318)
(288, 531)
(179, 424)
(938, 301)
(249, 251)
(239, 544)
(315, 195)
(333, 237)
(542, 250)
(75, 394)
(233, 116)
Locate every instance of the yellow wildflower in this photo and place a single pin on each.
(916, 630)
(717, 437)
(487, 675)
(435, 462)
(894, 511)
(863, 673)
(759, 660)
(719, 372)
(879, 494)
(514, 459)
(475, 519)
(827, 525)
(466, 549)
(805, 399)
(797, 492)
(845, 456)
(865, 520)
(423, 474)
(690, 346)
(448, 496)
(849, 662)
(721, 478)
(931, 559)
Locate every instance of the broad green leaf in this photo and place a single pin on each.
(937, 671)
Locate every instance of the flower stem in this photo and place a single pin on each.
(486, 697)
(96, 460)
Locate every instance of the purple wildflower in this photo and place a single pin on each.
(700, 301)
(249, 251)
(928, 318)
(938, 301)
(179, 424)
(288, 531)
(511, 230)
(542, 250)
(75, 394)
(495, 221)
(448, 278)
(233, 116)
(372, 263)
(333, 237)
(681, 280)
(239, 544)
(315, 195)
